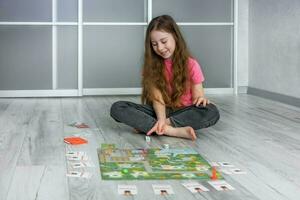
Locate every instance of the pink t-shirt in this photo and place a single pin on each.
(195, 75)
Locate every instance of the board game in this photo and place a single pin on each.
(152, 164)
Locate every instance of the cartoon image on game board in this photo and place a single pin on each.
(152, 164)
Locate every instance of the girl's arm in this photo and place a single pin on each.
(198, 95)
(158, 105)
(160, 111)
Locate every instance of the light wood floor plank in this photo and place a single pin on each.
(14, 121)
(42, 149)
(26, 182)
(4, 103)
(76, 110)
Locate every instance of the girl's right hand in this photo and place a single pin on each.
(158, 127)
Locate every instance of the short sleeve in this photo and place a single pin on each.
(196, 75)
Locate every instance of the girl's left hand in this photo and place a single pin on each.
(201, 100)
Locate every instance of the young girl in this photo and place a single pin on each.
(173, 98)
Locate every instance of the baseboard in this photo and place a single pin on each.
(92, 92)
(112, 91)
(39, 93)
(294, 101)
(242, 89)
(138, 91)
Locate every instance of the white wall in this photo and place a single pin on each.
(242, 51)
(274, 46)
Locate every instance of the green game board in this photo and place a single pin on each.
(152, 164)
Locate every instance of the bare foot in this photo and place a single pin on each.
(183, 132)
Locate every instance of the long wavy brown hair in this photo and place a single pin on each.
(154, 69)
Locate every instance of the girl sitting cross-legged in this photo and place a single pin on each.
(173, 100)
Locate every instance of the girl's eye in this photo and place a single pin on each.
(164, 42)
(154, 44)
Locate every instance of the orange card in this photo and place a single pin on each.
(75, 140)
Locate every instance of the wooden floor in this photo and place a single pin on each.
(257, 135)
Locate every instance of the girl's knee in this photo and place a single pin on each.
(117, 104)
(214, 112)
(120, 104)
(116, 108)
(213, 107)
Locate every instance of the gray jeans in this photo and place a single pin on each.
(143, 117)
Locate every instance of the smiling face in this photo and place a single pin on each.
(163, 43)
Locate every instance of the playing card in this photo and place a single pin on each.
(83, 157)
(162, 189)
(75, 165)
(221, 185)
(75, 140)
(195, 187)
(82, 125)
(74, 153)
(81, 164)
(77, 158)
(79, 174)
(127, 190)
(237, 171)
(225, 164)
(79, 125)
